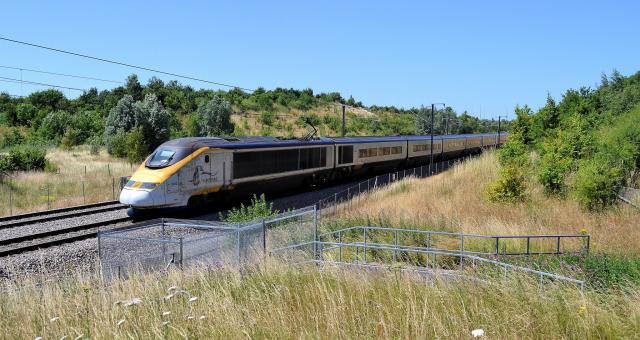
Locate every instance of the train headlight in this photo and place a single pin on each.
(149, 185)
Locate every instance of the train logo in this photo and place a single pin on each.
(196, 175)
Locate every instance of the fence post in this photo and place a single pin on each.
(315, 233)
(113, 187)
(108, 169)
(365, 244)
(181, 253)
(238, 246)
(48, 200)
(264, 238)
(588, 242)
(461, 251)
(497, 246)
(84, 199)
(528, 244)
(340, 241)
(395, 243)
(558, 246)
(10, 199)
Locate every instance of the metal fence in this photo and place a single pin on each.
(160, 244)
(472, 244)
(331, 248)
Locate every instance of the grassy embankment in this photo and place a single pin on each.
(284, 302)
(29, 188)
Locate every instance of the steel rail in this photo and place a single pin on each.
(74, 213)
(46, 244)
(56, 211)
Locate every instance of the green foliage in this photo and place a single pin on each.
(11, 137)
(267, 117)
(259, 209)
(54, 125)
(510, 187)
(597, 182)
(606, 271)
(135, 147)
(213, 118)
(23, 159)
(521, 126)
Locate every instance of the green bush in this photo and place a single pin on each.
(510, 187)
(11, 137)
(597, 183)
(23, 159)
(258, 209)
(267, 117)
(136, 149)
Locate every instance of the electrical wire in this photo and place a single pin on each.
(122, 64)
(61, 74)
(40, 84)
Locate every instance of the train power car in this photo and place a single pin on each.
(190, 171)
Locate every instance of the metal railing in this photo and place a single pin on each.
(434, 262)
(429, 239)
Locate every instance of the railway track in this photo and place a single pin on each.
(58, 214)
(32, 231)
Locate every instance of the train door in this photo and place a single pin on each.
(173, 189)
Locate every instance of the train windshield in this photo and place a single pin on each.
(165, 156)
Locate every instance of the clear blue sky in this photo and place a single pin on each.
(480, 56)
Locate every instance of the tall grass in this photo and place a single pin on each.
(455, 201)
(278, 301)
(38, 190)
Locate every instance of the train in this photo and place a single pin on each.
(191, 171)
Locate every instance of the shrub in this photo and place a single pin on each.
(213, 118)
(23, 159)
(136, 148)
(54, 125)
(11, 137)
(267, 117)
(510, 187)
(258, 209)
(597, 183)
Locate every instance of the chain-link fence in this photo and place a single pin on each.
(159, 244)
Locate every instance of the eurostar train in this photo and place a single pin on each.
(190, 171)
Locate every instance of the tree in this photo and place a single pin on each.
(154, 120)
(121, 119)
(133, 87)
(213, 118)
(54, 125)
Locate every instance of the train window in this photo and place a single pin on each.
(345, 154)
(420, 147)
(396, 150)
(206, 158)
(258, 163)
(362, 153)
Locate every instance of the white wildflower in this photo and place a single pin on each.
(202, 317)
(193, 299)
(120, 322)
(166, 313)
(172, 288)
(132, 302)
(476, 333)
(79, 337)
(189, 317)
(38, 338)
(54, 319)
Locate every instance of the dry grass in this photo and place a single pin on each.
(455, 201)
(99, 173)
(277, 301)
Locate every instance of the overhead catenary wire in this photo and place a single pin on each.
(13, 80)
(61, 74)
(123, 64)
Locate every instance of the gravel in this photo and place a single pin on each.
(40, 227)
(55, 215)
(83, 255)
